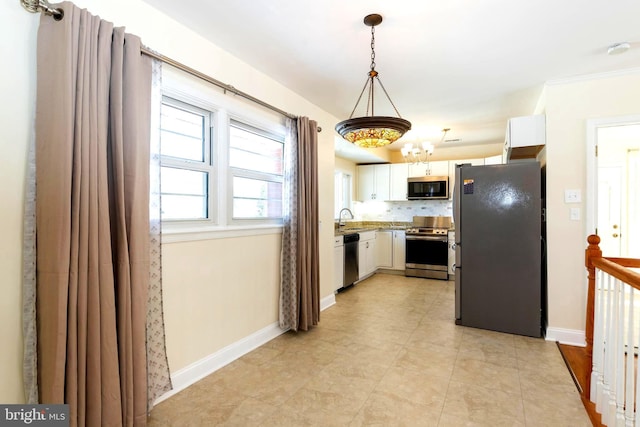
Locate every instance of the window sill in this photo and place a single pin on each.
(173, 234)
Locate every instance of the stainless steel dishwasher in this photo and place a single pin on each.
(351, 271)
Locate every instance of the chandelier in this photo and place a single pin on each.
(372, 131)
(418, 154)
(421, 153)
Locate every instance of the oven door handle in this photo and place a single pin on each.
(429, 238)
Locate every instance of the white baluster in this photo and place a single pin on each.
(608, 354)
(620, 368)
(603, 398)
(630, 398)
(598, 347)
(612, 345)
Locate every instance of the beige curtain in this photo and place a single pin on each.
(92, 219)
(300, 277)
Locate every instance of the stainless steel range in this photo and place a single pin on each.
(427, 247)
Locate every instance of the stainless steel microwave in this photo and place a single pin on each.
(428, 187)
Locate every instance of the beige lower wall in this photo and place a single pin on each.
(218, 292)
(568, 106)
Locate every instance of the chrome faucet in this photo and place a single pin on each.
(340, 224)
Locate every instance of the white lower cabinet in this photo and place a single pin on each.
(384, 249)
(367, 254)
(399, 249)
(338, 263)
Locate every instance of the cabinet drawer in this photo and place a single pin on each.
(367, 235)
(337, 241)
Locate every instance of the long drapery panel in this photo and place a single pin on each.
(92, 219)
(300, 277)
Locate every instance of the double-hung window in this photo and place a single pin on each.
(187, 174)
(221, 164)
(256, 160)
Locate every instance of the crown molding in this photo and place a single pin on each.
(595, 76)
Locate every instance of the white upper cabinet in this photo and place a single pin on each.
(373, 182)
(398, 174)
(439, 168)
(525, 137)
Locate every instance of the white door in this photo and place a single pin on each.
(613, 208)
(609, 205)
(633, 204)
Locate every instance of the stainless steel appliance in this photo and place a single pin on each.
(428, 187)
(351, 272)
(499, 247)
(427, 248)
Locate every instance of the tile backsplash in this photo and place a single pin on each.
(401, 211)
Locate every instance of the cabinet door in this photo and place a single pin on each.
(419, 169)
(373, 182)
(371, 256)
(381, 182)
(398, 174)
(384, 249)
(366, 181)
(439, 168)
(338, 267)
(362, 259)
(399, 249)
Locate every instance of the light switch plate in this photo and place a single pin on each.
(572, 196)
(575, 214)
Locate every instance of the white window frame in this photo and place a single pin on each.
(252, 174)
(225, 107)
(207, 165)
(343, 191)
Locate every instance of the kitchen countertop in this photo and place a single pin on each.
(351, 227)
(362, 226)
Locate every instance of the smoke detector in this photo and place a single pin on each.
(618, 48)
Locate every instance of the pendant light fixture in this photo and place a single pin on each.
(372, 131)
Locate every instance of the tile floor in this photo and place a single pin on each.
(387, 354)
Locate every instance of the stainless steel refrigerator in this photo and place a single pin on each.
(499, 247)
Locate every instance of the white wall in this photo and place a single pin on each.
(568, 107)
(17, 84)
(217, 291)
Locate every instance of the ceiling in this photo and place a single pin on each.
(460, 64)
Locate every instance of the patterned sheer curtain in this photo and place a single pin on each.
(300, 278)
(94, 335)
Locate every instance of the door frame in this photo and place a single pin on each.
(592, 164)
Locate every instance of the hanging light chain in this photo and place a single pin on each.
(373, 46)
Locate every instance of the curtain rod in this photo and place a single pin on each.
(43, 6)
(208, 79)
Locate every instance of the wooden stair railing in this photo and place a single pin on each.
(620, 270)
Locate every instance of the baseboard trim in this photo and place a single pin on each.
(189, 375)
(193, 373)
(566, 336)
(327, 302)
